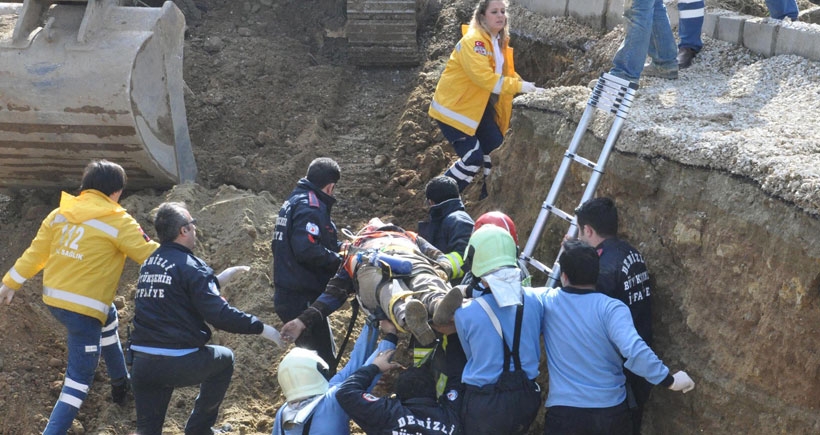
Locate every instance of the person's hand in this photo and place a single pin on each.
(682, 382)
(6, 294)
(529, 87)
(387, 327)
(384, 361)
(228, 274)
(272, 334)
(292, 330)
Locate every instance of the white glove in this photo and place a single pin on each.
(272, 334)
(6, 294)
(227, 275)
(682, 382)
(528, 87)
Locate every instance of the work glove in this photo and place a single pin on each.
(6, 294)
(228, 274)
(272, 334)
(682, 382)
(530, 87)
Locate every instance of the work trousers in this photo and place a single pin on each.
(474, 151)
(154, 377)
(568, 420)
(87, 339)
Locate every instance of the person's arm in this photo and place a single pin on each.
(33, 259)
(367, 410)
(363, 353)
(204, 290)
(133, 242)
(306, 240)
(458, 231)
(336, 292)
(437, 257)
(640, 359)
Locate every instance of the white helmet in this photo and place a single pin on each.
(300, 374)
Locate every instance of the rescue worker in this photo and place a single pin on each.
(312, 406)
(449, 226)
(473, 99)
(81, 248)
(177, 293)
(413, 410)
(623, 275)
(396, 275)
(500, 332)
(588, 335)
(306, 252)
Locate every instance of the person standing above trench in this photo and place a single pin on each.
(690, 26)
(473, 99)
(81, 248)
(306, 252)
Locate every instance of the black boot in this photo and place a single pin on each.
(685, 56)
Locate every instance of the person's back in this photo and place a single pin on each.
(624, 276)
(449, 226)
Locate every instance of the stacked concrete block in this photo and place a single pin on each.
(614, 14)
(798, 40)
(589, 12)
(730, 28)
(760, 35)
(547, 8)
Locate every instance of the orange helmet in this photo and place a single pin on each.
(498, 219)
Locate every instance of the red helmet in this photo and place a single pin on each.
(498, 219)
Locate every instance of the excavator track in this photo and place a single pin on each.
(382, 33)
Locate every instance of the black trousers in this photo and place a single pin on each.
(568, 420)
(318, 336)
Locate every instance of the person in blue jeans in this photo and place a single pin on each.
(782, 9)
(81, 248)
(690, 27)
(648, 32)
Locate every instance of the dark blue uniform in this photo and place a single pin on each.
(623, 275)
(177, 293)
(305, 256)
(389, 416)
(449, 228)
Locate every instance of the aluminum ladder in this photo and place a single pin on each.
(613, 95)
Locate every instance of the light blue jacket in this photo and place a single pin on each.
(328, 417)
(585, 333)
(482, 344)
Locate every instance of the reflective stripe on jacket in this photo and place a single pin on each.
(81, 248)
(469, 79)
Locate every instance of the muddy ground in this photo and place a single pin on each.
(269, 89)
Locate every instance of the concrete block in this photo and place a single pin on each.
(730, 28)
(547, 8)
(673, 13)
(614, 14)
(709, 24)
(759, 35)
(589, 12)
(800, 41)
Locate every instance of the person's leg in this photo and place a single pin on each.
(468, 149)
(83, 356)
(153, 383)
(215, 365)
(114, 357)
(690, 25)
(640, 390)
(662, 47)
(631, 55)
(490, 138)
(780, 9)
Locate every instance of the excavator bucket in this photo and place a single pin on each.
(83, 80)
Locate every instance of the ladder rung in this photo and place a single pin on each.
(581, 160)
(560, 213)
(537, 264)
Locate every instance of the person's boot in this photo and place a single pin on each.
(119, 390)
(415, 317)
(685, 56)
(446, 307)
(652, 70)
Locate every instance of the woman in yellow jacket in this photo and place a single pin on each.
(473, 99)
(81, 248)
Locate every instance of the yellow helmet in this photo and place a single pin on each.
(302, 374)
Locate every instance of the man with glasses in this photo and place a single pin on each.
(177, 293)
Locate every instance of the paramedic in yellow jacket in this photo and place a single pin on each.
(81, 248)
(473, 99)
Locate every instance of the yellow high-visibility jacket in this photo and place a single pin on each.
(469, 79)
(81, 246)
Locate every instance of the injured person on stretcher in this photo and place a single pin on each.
(395, 275)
